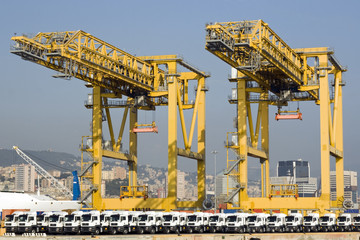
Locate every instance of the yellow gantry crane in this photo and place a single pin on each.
(120, 80)
(268, 72)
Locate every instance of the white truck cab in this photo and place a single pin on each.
(197, 222)
(43, 221)
(27, 223)
(174, 222)
(90, 222)
(73, 222)
(356, 223)
(311, 222)
(276, 222)
(217, 223)
(133, 218)
(105, 221)
(150, 222)
(56, 222)
(236, 222)
(12, 221)
(257, 222)
(343, 222)
(328, 222)
(294, 222)
(119, 222)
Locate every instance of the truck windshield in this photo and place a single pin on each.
(54, 218)
(143, 217)
(308, 219)
(114, 218)
(9, 218)
(86, 217)
(289, 218)
(22, 218)
(231, 219)
(40, 218)
(69, 218)
(324, 219)
(214, 218)
(357, 219)
(341, 219)
(167, 218)
(252, 219)
(192, 218)
(272, 219)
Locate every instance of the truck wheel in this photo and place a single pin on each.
(201, 230)
(141, 231)
(126, 230)
(190, 230)
(152, 231)
(33, 230)
(113, 231)
(97, 231)
(166, 230)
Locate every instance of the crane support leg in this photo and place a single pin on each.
(338, 133)
(324, 200)
(201, 144)
(265, 142)
(242, 137)
(172, 138)
(97, 147)
(133, 148)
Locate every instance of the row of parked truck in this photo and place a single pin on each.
(124, 222)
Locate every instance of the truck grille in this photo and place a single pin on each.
(141, 224)
(67, 224)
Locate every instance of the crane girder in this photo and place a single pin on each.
(81, 55)
(257, 51)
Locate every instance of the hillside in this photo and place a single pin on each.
(47, 159)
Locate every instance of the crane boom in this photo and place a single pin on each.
(259, 53)
(44, 173)
(81, 55)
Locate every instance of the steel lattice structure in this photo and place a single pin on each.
(269, 72)
(138, 83)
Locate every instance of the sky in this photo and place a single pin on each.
(43, 113)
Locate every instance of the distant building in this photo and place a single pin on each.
(25, 178)
(293, 168)
(55, 173)
(107, 175)
(222, 186)
(119, 173)
(350, 186)
(180, 184)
